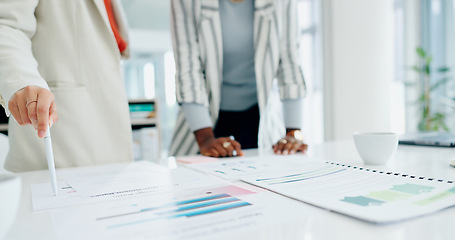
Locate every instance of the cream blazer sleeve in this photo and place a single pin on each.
(18, 67)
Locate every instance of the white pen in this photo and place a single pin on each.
(50, 160)
(234, 152)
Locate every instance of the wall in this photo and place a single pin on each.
(358, 66)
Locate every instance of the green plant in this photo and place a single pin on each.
(430, 119)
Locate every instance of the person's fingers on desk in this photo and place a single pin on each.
(237, 148)
(295, 147)
(302, 148)
(298, 146)
(278, 148)
(228, 145)
(231, 146)
(275, 148)
(210, 153)
(287, 148)
(213, 148)
(207, 150)
(218, 145)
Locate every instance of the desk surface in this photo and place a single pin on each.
(314, 223)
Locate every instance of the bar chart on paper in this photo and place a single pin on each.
(185, 208)
(370, 195)
(202, 213)
(396, 193)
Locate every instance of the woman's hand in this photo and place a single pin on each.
(289, 145)
(216, 147)
(36, 106)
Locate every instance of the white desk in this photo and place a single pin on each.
(314, 223)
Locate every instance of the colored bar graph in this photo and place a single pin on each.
(202, 199)
(449, 193)
(185, 208)
(400, 193)
(201, 205)
(168, 205)
(363, 201)
(389, 196)
(213, 210)
(411, 188)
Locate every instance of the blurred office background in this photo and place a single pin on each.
(150, 72)
(357, 59)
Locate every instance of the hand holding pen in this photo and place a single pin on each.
(35, 105)
(222, 147)
(228, 144)
(217, 147)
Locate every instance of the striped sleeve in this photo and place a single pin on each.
(189, 80)
(290, 77)
(197, 116)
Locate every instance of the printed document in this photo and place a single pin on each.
(370, 195)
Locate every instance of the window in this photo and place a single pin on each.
(310, 52)
(429, 24)
(149, 73)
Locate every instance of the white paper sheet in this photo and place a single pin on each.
(216, 212)
(43, 197)
(113, 182)
(235, 168)
(366, 194)
(116, 179)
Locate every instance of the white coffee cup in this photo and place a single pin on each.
(376, 148)
(10, 195)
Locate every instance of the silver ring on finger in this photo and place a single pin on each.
(31, 101)
(283, 141)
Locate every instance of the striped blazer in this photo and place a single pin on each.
(197, 42)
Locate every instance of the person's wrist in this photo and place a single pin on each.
(204, 135)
